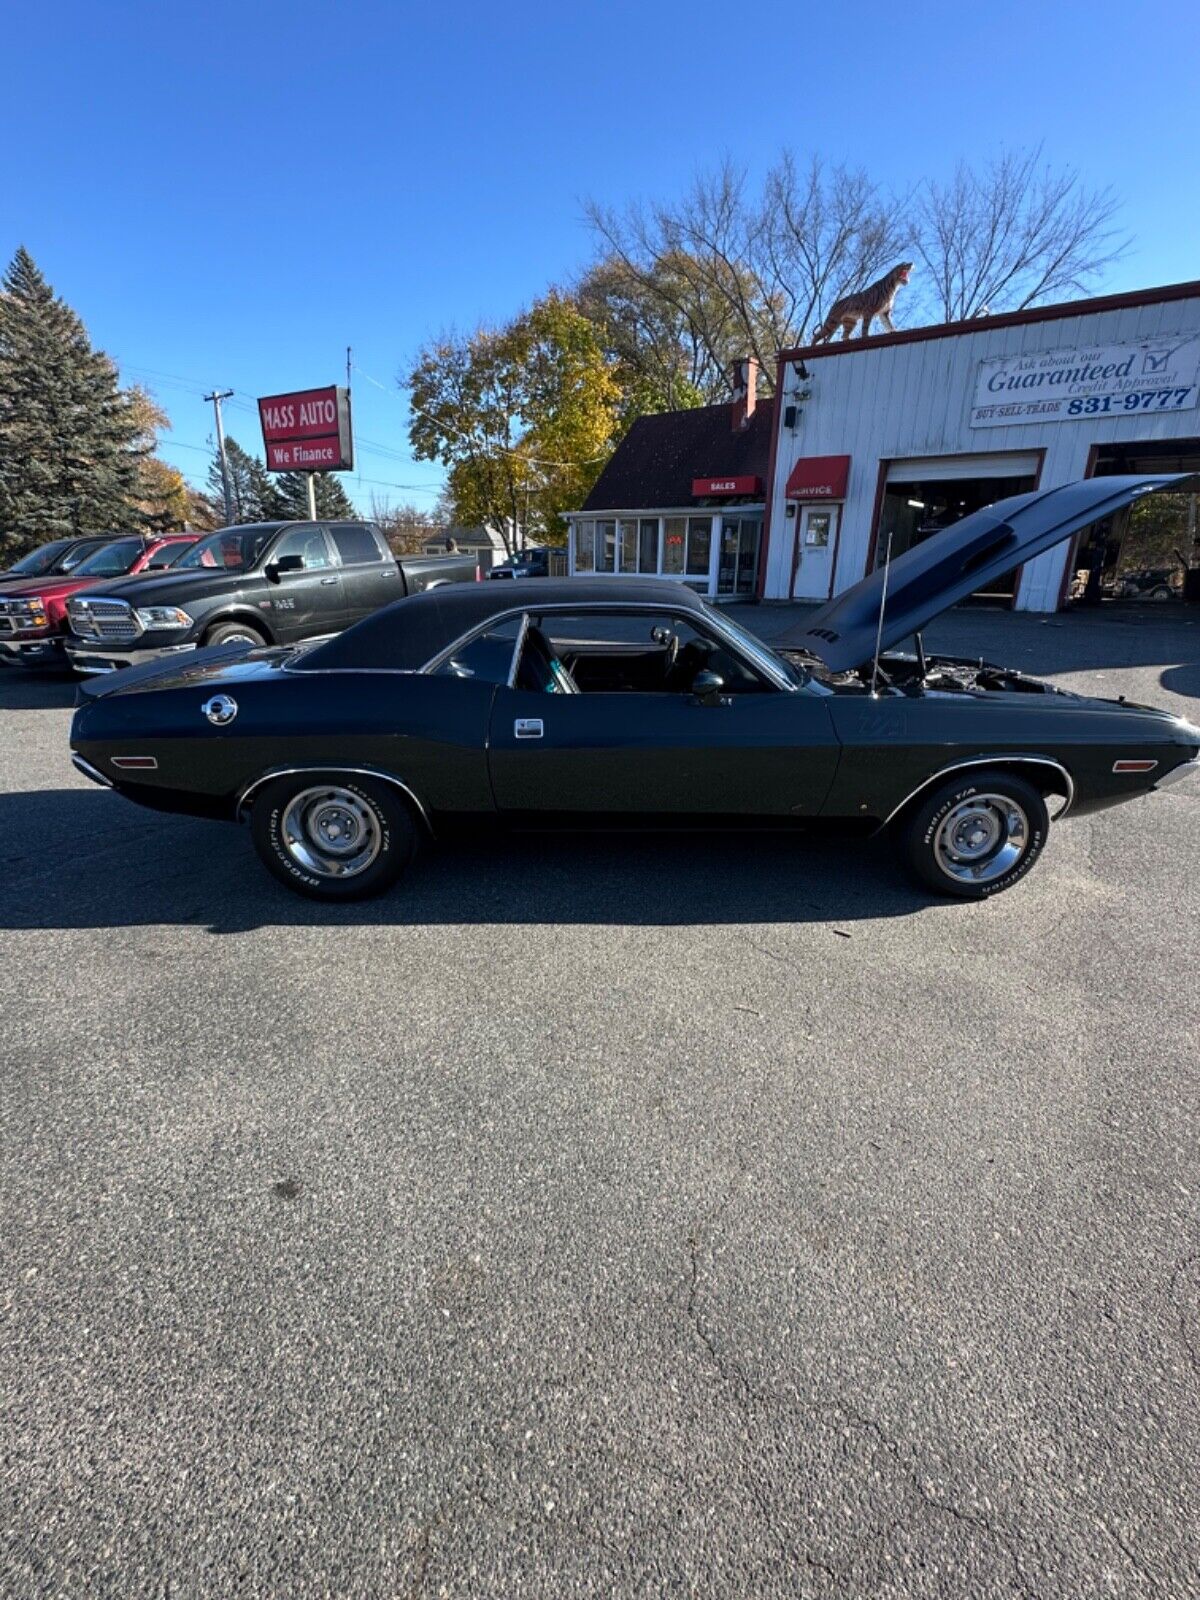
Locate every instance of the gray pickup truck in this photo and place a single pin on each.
(266, 582)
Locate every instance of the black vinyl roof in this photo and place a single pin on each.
(655, 462)
(410, 632)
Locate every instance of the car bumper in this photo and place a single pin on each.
(95, 656)
(44, 652)
(1179, 774)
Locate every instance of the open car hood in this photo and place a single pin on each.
(946, 568)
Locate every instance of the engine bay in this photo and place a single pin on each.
(915, 674)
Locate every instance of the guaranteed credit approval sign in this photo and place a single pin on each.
(308, 431)
(1097, 380)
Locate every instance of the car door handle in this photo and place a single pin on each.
(328, 580)
(528, 728)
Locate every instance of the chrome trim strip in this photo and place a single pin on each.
(89, 771)
(1179, 774)
(522, 631)
(84, 660)
(988, 761)
(331, 767)
(565, 608)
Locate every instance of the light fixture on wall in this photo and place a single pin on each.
(917, 505)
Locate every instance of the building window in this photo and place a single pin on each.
(627, 539)
(674, 537)
(585, 541)
(699, 546)
(606, 546)
(648, 545)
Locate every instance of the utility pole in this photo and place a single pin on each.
(216, 397)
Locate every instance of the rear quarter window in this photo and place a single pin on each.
(355, 544)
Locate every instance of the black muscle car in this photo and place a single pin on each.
(631, 702)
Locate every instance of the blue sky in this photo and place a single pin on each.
(231, 194)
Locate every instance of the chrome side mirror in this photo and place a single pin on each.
(707, 689)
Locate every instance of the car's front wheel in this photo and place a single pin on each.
(977, 834)
(335, 836)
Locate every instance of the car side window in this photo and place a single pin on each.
(164, 557)
(308, 543)
(488, 656)
(354, 543)
(641, 652)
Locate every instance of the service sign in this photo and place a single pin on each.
(308, 431)
(1088, 381)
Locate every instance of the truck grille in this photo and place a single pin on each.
(102, 619)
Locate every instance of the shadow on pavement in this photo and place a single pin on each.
(116, 866)
(24, 690)
(1183, 680)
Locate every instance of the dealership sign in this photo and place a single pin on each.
(1089, 381)
(703, 488)
(308, 431)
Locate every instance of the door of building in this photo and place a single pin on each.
(816, 549)
(737, 567)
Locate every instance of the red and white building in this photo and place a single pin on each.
(877, 443)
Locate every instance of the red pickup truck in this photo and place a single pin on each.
(33, 611)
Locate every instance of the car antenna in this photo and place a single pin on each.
(887, 567)
(922, 662)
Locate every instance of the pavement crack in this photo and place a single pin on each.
(1134, 1560)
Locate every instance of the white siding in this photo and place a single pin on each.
(915, 400)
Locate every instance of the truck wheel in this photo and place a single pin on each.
(977, 834)
(234, 633)
(333, 836)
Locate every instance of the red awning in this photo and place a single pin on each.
(819, 478)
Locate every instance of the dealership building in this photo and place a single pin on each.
(873, 445)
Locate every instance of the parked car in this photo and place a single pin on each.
(33, 611)
(261, 583)
(613, 702)
(60, 555)
(531, 563)
(1154, 583)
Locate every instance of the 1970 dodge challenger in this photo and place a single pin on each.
(629, 702)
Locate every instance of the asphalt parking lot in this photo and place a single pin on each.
(638, 1218)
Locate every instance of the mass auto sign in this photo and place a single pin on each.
(308, 431)
(1097, 380)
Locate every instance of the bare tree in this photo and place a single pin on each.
(735, 271)
(732, 269)
(404, 526)
(1012, 233)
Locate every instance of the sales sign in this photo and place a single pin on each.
(308, 431)
(1098, 380)
(703, 488)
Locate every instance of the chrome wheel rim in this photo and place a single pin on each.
(331, 831)
(981, 838)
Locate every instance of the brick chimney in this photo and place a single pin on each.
(743, 375)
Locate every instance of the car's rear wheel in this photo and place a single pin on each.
(333, 836)
(234, 633)
(976, 834)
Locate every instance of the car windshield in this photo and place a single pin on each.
(755, 648)
(229, 547)
(111, 560)
(40, 561)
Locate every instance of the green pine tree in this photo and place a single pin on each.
(292, 496)
(253, 497)
(69, 435)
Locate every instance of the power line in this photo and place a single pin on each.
(497, 449)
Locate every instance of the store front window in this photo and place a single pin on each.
(675, 546)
